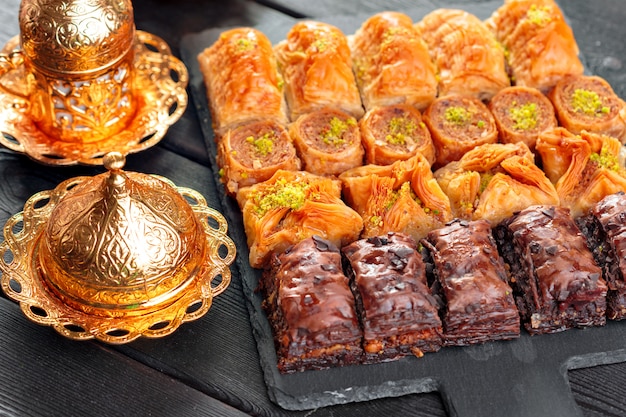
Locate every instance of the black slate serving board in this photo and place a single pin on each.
(526, 377)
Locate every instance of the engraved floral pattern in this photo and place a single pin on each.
(106, 313)
(76, 36)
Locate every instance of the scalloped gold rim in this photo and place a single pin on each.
(18, 265)
(164, 100)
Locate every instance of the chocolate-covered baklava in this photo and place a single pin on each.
(311, 308)
(605, 230)
(557, 283)
(471, 279)
(397, 312)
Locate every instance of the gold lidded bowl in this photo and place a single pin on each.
(116, 256)
(80, 81)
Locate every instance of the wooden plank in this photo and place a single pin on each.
(44, 374)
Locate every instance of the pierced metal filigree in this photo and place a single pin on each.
(158, 99)
(116, 256)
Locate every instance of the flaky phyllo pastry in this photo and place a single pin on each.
(242, 80)
(458, 123)
(468, 58)
(291, 206)
(521, 114)
(328, 141)
(585, 168)
(494, 181)
(316, 64)
(540, 45)
(253, 152)
(393, 133)
(589, 103)
(401, 197)
(392, 63)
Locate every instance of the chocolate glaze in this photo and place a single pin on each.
(557, 282)
(472, 280)
(397, 312)
(605, 230)
(311, 308)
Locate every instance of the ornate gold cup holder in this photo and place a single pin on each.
(115, 256)
(160, 82)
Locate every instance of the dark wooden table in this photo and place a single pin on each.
(211, 366)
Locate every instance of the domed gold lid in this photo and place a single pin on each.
(116, 256)
(76, 36)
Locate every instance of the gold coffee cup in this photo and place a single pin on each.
(77, 58)
(80, 81)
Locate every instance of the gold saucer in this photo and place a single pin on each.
(160, 83)
(116, 256)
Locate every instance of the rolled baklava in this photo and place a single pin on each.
(327, 141)
(397, 311)
(540, 45)
(402, 197)
(253, 152)
(556, 281)
(589, 103)
(605, 229)
(395, 133)
(242, 80)
(468, 58)
(291, 206)
(494, 181)
(459, 123)
(392, 63)
(585, 168)
(521, 114)
(316, 64)
(311, 308)
(472, 281)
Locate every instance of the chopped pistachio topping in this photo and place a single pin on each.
(400, 128)
(333, 135)
(281, 194)
(457, 115)
(391, 33)
(467, 205)
(221, 172)
(539, 15)
(588, 102)
(406, 190)
(605, 160)
(524, 117)
(244, 45)
(263, 145)
(323, 40)
(376, 220)
(485, 179)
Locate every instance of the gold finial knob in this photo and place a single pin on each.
(114, 161)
